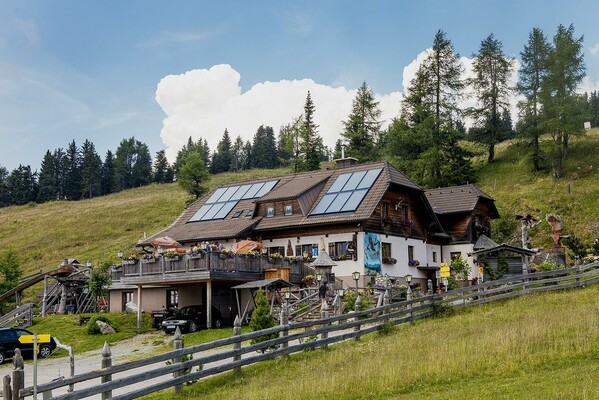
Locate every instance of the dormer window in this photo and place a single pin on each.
(270, 212)
(237, 214)
(288, 209)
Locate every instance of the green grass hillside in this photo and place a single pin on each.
(517, 190)
(540, 346)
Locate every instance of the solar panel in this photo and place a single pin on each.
(224, 199)
(347, 192)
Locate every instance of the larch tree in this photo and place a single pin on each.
(193, 175)
(492, 70)
(534, 68)
(424, 141)
(363, 125)
(562, 106)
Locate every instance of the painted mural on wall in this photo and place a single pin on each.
(372, 253)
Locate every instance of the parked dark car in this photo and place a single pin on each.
(9, 341)
(190, 319)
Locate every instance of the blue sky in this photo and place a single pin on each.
(76, 70)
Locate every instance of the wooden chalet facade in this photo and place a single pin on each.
(370, 218)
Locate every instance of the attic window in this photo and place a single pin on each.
(237, 214)
(288, 209)
(250, 213)
(270, 212)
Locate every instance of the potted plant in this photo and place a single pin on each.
(413, 263)
(308, 280)
(389, 260)
(130, 258)
(274, 257)
(171, 255)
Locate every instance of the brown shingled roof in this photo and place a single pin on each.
(292, 186)
(456, 199)
(288, 186)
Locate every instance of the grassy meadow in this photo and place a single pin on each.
(542, 346)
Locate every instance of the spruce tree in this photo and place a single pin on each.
(72, 183)
(3, 191)
(48, 189)
(534, 68)
(309, 138)
(222, 157)
(262, 319)
(108, 174)
(238, 156)
(162, 171)
(91, 171)
(362, 128)
(21, 185)
(492, 69)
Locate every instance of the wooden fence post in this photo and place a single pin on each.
(285, 323)
(386, 300)
(18, 375)
(178, 344)
(358, 308)
(578, 269)
(6, 389)
(324, 314)
(237, 346)
(409, 305)
(106, 362)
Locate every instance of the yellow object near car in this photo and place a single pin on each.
(27, 339)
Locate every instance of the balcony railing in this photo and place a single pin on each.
(212, 262)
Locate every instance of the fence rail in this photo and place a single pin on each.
(292, 336)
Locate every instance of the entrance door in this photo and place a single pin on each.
(223, 300)
(127, 297)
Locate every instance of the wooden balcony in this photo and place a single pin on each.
(202, 267)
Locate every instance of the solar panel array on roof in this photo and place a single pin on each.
(347, 192)
(223, 200)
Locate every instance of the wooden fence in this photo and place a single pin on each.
(294, 337)
(22, 317)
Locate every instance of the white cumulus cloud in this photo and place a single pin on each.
(205, 102)
(202, 103)
(594, 50)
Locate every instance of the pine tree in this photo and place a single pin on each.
(222, 157)
(264, 149)
(21, 185)
(72, 185)
(535, 63)
(48, 189)
(201, 147)
(4, 199)
(362, 128)
(162, 172)
(562, 106)
(10, 269)
(133, 164)
(262, 319)
(108, 174)
(238, 156)
(492, 69)
(91, 171)
(309, 138)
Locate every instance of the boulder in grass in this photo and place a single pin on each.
(105, 329)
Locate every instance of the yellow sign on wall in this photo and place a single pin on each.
(445, 270)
